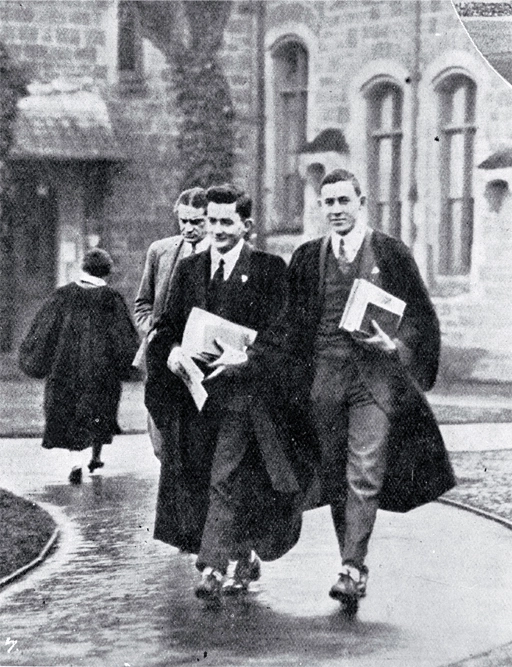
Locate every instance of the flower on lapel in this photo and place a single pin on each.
(375, 270)
(244, 278)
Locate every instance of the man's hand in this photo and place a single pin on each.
(175, 363)
(229, 356)
(380, 341)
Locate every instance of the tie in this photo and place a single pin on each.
(343, 263)
(215, 286)
(192, 248)
(218, 276)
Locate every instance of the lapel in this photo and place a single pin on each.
(368, 268)
(167, 265)
(240, 274)
(201, 278)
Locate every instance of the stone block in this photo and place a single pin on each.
(80, 18)
(88, 53)
(68, 36)
(28, 33)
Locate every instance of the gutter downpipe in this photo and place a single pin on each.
(259, 185)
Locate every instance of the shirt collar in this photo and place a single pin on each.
(230, 258)
(90, 281)
(351, 241)
(203, 244)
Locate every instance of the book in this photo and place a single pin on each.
(203, 328)
(201, 331)
(367, 302)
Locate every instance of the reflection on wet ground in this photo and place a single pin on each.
(111, 595)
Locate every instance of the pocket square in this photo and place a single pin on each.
(375, 270)
(245, 278)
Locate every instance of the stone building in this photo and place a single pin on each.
(132, 100)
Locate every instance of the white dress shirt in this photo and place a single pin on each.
(351, 241)
(86, 280)
(203, 244)
(230, 259)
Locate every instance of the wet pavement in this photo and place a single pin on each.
(440, 588)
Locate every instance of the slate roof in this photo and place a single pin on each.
(64, 126)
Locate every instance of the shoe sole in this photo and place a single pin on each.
(349, 602)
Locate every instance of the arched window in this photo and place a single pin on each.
(290, 115)
(384, 141)
(456, 117)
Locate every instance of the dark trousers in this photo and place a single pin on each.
(352, 431)
(226, 534)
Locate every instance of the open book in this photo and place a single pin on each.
(201, 332)
(367, 302)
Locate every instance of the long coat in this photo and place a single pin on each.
(83, 342)
(256, 295)
(161, 261)
(418, 468)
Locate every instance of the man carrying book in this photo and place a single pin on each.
(246, 287)
(379, 443)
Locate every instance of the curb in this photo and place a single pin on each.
(474, 510)
(33, 563)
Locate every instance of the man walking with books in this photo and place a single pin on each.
(378, 441)
(246, 287)
(365, 401)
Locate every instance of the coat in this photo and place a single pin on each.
(418, 467)
(83, 342)
(257, 295)
(161, 261)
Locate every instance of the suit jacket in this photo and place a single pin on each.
(256, 291)
(161, 261)
(418, 466)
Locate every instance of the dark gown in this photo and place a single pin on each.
(83, 342)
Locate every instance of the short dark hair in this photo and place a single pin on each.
(195, 197)
(341, 175)
(98, 263)
(227, 193)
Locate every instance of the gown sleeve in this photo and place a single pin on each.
(38, 348)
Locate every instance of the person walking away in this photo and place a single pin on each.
(82, 342)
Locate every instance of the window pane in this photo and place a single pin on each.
(458, 115)
(126, 48)
(386, 111)
(385, 169)
(457, 166)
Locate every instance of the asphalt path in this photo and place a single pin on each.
(440, 586)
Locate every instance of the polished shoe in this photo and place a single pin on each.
(210, 586)
(244, 572)
(92, 465)
(351, 584)
(75, 476)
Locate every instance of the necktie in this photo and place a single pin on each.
(218, 276)
(215, 288)
(343, 263)
(192, 248)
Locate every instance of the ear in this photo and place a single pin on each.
(362, 200)
(248, 224)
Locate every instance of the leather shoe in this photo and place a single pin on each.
(245, 572)
(75, 476)
(208, 588)
(92, 465)
(347, 587)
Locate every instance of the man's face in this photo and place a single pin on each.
(340, 206)
(192, 223)
(225, 226)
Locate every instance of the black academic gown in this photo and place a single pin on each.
(83, 342)
(254, 296)
(418, 467)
